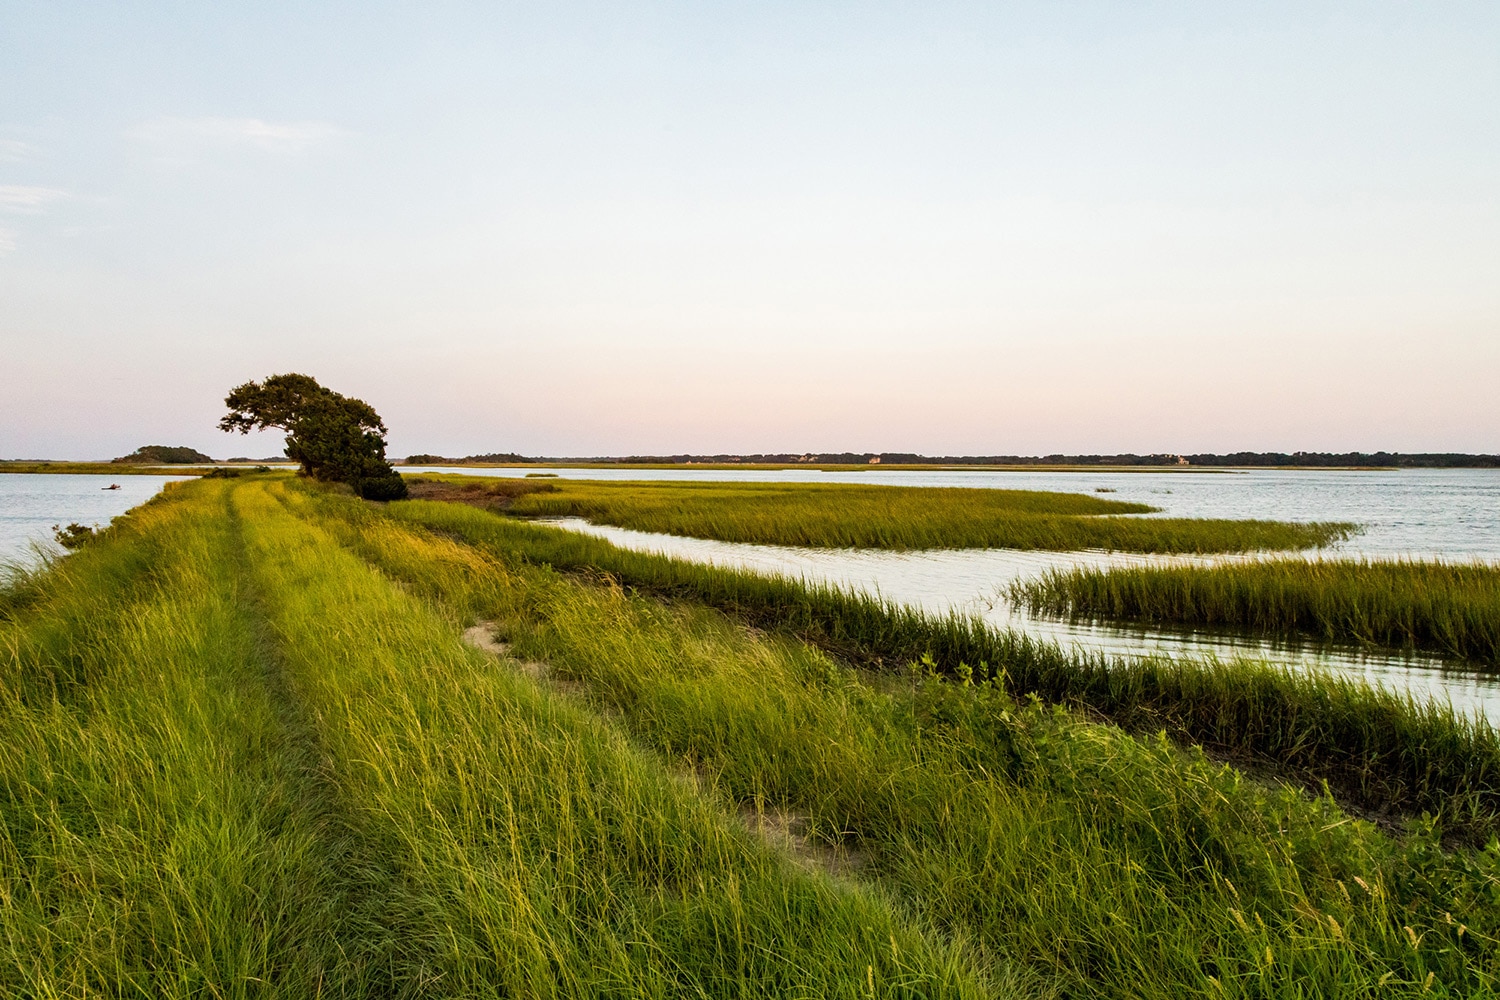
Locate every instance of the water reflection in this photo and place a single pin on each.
(975, 581)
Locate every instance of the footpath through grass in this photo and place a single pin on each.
(843, 515)
(1452, 609)
(243, 753)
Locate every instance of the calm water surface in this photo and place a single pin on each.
(974, 581)
(31, 504)
(1427, 513)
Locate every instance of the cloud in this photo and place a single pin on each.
(181, 134)
(15, 151)
(22, 200)
(7, 241)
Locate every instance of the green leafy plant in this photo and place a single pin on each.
(74, 536)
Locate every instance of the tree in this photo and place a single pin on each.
(160, 454)
(336, 438)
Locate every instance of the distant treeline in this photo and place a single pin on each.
(494, 458)
(1314, 459)
(1380, 459)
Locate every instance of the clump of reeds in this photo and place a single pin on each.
(1452, 609)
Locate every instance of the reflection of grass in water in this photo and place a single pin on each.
(904, 517)
(1451, 609)
(1382, 750)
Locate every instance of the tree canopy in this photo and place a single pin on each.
(161, 454)
(336, 438)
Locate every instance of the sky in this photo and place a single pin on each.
(644, 228)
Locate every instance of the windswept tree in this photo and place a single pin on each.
(336, 438)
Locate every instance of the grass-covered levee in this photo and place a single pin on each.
(244, 752)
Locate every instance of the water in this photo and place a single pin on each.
(31, 504)
(1420, 513)
(974, 581)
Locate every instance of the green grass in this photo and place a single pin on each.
(1452, 609)
(235, 762)
(243, 753)
(1105, 865)
(900, 517)
(1381, 750)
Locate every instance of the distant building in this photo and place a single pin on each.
(875, 460)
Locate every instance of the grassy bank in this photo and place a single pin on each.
(238, 762)
(892, 517)
(1103, 864)
(1446, 608)
(1382, 751)
(244, 753)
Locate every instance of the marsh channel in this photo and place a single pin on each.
(1416, 514)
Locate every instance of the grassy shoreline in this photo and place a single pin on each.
(1452, 609)
(842, 515)
(1381, 750)
(98, 469)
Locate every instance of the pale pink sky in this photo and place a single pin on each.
(606, 229)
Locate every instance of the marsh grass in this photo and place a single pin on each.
(1384, 752)
(1108, 865)
(1452, 609)
(244, 753)
(843, 515)
(150, 842)
(237, 762)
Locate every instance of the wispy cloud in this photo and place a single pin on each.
(24, 200)
(15, 151)
(180, 134)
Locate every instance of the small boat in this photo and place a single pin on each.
(111, 486)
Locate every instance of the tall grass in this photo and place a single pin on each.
(243, 753)
(541, 853)
(1383, 751)
(236, 762)
(1110, 866)
(1451, 609)
(153, 835)
(902, 517)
